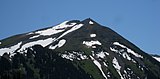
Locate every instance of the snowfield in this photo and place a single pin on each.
(50, 31)
(10, 49)
(40, 42)
(56, 29)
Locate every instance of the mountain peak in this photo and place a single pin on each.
(83, 48)
(89, 21)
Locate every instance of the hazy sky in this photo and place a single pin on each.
(136, 20)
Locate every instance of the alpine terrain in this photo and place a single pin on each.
(74, 50)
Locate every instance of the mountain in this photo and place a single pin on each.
(74, 50)
(157, 57)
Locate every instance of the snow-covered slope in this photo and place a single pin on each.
(157, 58)
(64, 27)
(98, 50)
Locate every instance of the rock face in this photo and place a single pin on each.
(74, 50)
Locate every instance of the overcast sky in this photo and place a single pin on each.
(136, 20)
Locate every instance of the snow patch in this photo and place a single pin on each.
(117, 67)
(71, 30)
(40, 42)
(128, 50)
(106, 53)
(55, 29)
(69, 56)
(10, 49)
(29, 33)
(123, 53)
(105, 64)
(94, 47)
(114, 50)
(108, 73)
(157, 58)
(99, 66)
(101, 54)
(0, 43)
(74, 55)
(53, 47)
(91, 43)
(61, 42)
(128, 73)
(34, 37)
(48, 32)
(73, 24)
(90, 22)
(92, 35)
(64, 25)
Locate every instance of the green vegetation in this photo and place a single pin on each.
(91, 69)
(9, 41)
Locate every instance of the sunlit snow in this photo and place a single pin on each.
(105, 64)
(81, 55)
(34, 36)
(60, 44)
(71, 30)
(101, 54)
(74, 55)
(49, 32)
(29, 33)
(157, 58)
(122, 52)
(125, 55)
(63, 25)
(44, 43)
(128, 50)
(92, 35)
(94, 47)
(69, 56)
(53, 47)
(99, 66)
(117, 67)
(113, 49)
(90, 22)
(91, 43)
(10, 49)
(55, 29)
(128, 74)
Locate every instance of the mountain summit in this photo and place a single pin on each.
(74, 50)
